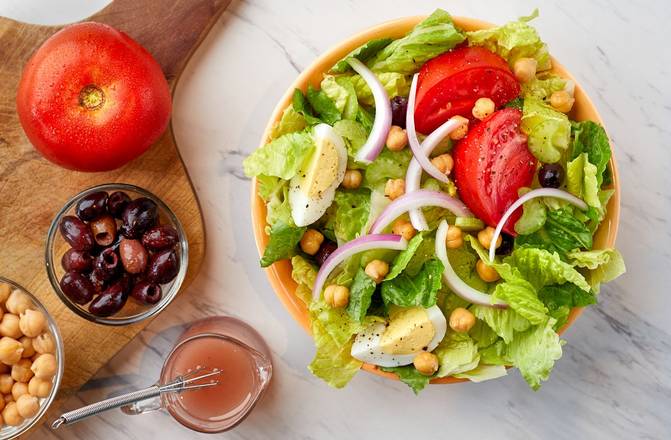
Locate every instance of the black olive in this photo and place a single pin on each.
(551, 175)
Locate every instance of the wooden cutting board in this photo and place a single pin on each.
(32, 189)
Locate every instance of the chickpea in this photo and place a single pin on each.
(403, 228)
(461, 320)
(461, 130)
(397, 138)
(6, 383)
(10, 350)
(394, 188)
(5, 290)
(8, 397)
(18, 302)
(562, 101)
(311, 241)
(9, 326)
(45, 366)
(39, 387)
(19, 389)
(352, 179)
(485, 237)
(377, 270)
(28, 349)
(426, 363)
(27, 406)
(444, 163)
(486, 272)
(32, 322)
(482, 108)
(525, 69)
(336, 296)
(21, 371)
(44, 343)
(454, 238)
(11, 415)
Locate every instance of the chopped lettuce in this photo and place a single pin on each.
(410, 376)
(403, 258)
(333, 362)
(302, 271)
(282, 157)
(543, 87)
(560, 299)
(457, 353)
(361, 53)
(388, 165)
(433, 36)
(548, 130)
(512, 41)
(482, 333)
(562, 233)
(361, 294)
(535, 351)
(290, 122)
(542, 268)
(533, 216)
(520, 294)
(582, 182)
(276, 194)
(419, 290)
(354, 134)
(349, 213)
(301, 105)
(282, 243)
(323, 105)
(495, 354)
(504, 322)
(341, 92)
(590, 137)
(396, 84)
(604, 264)
(483, 372)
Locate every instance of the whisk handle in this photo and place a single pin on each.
(105, 405)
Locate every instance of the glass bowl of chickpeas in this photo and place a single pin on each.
(116, 254)
(31, 359)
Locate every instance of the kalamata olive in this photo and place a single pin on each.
(116, 203)
(160, 237)
(133, 256)
(111, 300)
(399, 107)
(76, 261)
(551, 175)
(107, 264)
(163, 267)
(98, 280)
(327, 247)
(77, 287)
(146, 292)
(76, 233)
(104, 230)
(507, 244)
(92, 206)
(139, 215)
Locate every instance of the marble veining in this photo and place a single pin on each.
(614, 380)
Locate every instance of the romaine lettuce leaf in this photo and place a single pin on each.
(483, 372)
(560, 299)
(542, 268)
(504, 322)
(276, 194)
(561, 233)
(482, 333)
(333, 362)
(302, 271)
(410, 376)
(533, 216)
(456, 353)
(403, 258)
(590, 137)
(495, 354)
(290, 122)
(396, 84)
(433, 36)
(513, 41)
(349, 213)
(520, 295)
(361, 53)
(282, 157)
(604, 264)
(301, 105)
(341, 91)
(388, 165)
(419, 290)
(548, 130)
(360, 296)
(323, 105)
(582, 182)
(543, 87)
(282, 243)
(535, 351)
(354, 135)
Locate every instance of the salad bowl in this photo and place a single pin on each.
(279, 274)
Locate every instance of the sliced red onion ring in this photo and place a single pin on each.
(456, 284)
(413, 176)
(414, 200)
(423, 160)
(540, 192)
(380, 130)
(361, 244)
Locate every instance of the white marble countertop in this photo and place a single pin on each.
(614, 380)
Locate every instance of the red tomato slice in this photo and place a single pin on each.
(451, 83)
(490, 164)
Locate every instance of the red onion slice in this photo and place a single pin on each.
(361, 244)
(414, 200)
(423, 160)
(456, 284)
(378, 133)
(413, 176)
(540, 192)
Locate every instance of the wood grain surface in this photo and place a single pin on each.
(32, 189)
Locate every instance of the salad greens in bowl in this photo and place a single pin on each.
(435, 199)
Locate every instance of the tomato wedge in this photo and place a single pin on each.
(490, 164)
(451, 83)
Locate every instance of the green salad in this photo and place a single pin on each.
(439, 205)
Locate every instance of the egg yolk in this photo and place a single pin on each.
(409, 331)
(323, 169)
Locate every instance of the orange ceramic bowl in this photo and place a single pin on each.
(279, 273)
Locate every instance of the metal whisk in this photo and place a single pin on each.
(180, 384)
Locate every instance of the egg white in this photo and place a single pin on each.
(306, 210)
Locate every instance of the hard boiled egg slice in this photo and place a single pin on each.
(409, 331)
(311, 192)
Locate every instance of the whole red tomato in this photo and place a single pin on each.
(92, 99)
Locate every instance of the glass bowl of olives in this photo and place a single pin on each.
(116, 254)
